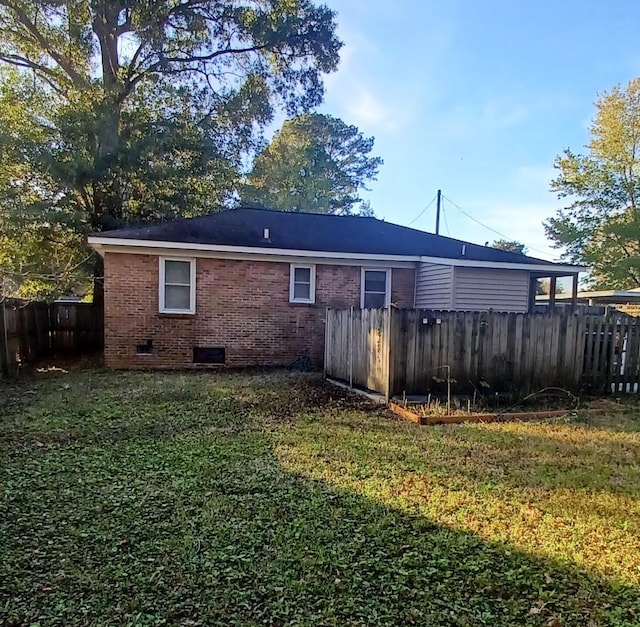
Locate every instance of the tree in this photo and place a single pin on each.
(600, 227)
(511, 246)
(315, 163)
(40, 255)
(543, 286)
(151, 107)
(45, 261)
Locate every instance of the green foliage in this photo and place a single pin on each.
(42, 262)
(173, 160)
(150, 499)
(543, 286)
(41, 253)
(601, 225)
(511, 246)
(124, 111)
(314, 163)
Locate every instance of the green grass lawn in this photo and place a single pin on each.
(247, 499)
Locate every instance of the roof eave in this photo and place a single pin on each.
(102, 244)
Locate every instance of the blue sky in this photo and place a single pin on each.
(477, 98)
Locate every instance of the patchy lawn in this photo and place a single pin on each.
(238, 499)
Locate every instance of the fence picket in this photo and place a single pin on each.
(635, 357)
(631, 365)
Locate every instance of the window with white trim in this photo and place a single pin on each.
(177, 285)
(375, 288)
(302, 284)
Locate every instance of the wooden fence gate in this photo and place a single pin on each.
(396, 352)
(357, 347)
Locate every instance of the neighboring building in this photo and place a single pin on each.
(627, 301)
(249, 287)
(597, 297)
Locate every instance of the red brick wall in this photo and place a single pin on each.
(241, 305)
(403, 287)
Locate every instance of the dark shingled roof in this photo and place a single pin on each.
(316, 232)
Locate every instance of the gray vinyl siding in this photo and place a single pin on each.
(480, 289)
(434, 286)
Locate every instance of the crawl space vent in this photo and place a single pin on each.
(144, 349)
(208, 355)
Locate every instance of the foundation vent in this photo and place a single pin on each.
(209, 355)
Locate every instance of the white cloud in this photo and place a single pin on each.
(359, 95)
(535, 178)
(521, 221)
(516, 207)
(367, 110)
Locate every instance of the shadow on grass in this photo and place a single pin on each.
(204, 526)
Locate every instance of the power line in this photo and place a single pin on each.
(482, 224)
(461, 210)
(444, 219)
(422, 212)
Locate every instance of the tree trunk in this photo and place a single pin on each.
(107, 197)
(98, 283)
(105, 26)
(97, 273)
(109, 129)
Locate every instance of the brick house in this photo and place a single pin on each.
(249, 287)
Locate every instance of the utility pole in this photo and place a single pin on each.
(438, 212)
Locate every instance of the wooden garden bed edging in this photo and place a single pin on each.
(407, 414)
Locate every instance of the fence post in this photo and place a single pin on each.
(36, 324)
(387, 332)
(326, 340)
(49, 329)
(4, 341)
(351, 346)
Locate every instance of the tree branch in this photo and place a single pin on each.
(19, 61)
(132, 65)
(76, 78)
(163, 62)
(213, 55)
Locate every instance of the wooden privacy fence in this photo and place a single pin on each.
(30, 330)
(76, 327)
(357, 347)
(411, 352)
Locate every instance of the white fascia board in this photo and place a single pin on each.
(288, 258)
(470, 263)
(112, 244)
